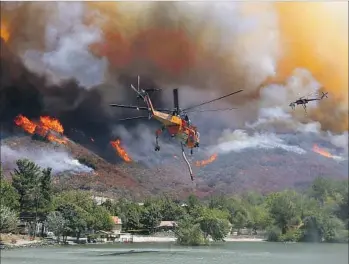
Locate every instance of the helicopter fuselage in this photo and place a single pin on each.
(178, 128)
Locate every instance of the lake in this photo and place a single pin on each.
(169, 253)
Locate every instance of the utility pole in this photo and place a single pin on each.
(36, 206)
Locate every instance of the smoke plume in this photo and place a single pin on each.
(70, 60)
(59, 161)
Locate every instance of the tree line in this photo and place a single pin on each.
(318, 214)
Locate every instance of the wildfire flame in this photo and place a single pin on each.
(5, 34)
(25, 123)
(322, 152)
(43, 128)
(51, 123)
(201, 163)
(121, 151)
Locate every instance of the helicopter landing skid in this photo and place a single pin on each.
(188, 164)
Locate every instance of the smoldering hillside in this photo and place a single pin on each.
(74, 59)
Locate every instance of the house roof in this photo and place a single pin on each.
(116, 220)
(167, 224)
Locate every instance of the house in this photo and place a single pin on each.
(26, 225)
(117, 227)
(100, 199)
(166, 226)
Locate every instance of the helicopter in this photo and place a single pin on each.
(176, 121)
(303, 101)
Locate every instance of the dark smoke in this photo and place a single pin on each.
(78, 109)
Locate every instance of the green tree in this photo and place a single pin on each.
(8, 219)
(46, 193)
(8, 195)
(239, 214)
(284, 207)
(108, 205)
(260, 218)
(214, 223)
(33, 186)
(193, 202)
(24, 180)
(171, 211)
(219, 202)
(56, 223)
(151, 216)
(189, 233)
(79, 198)
(76, 219)
(101, 219)
(321, 189)
(129, 212)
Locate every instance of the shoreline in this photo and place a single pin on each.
(136, 239)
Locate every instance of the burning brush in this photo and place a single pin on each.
(116, 144)
(325, 153)
(48, 128)
(201, 163)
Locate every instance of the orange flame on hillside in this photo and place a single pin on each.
(321, 151)
(51, 123)
(121, 151)
(43, 128)
(201, 163)
(5, 34)
(25, 123)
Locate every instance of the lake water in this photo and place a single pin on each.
(169, 253)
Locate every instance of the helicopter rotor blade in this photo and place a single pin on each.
(143, 108)
(212, 110)
(133, 118)
(219, 98)
(130, 107)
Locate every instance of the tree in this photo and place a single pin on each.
(76, 219)
(108, 205)
(151, 216)
(56, 223)
(284, 208)
(219, 202)
(193, 202)
(260, 219)
(130, 214)
(8, 195)
(8, 219)
(79, 198)
(46, 190)
(321, 188)
(239, 214)
(24, 180)
(214, 223)
(171, 211)
(189, 233)
(101, 219)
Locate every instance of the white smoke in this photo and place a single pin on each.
(274, 111)
(67, 55)
(240, 140)
(139, 142)
(58, 160)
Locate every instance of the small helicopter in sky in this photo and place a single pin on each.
(303, 101)
(175, 121)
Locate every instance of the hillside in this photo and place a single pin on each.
(259, 170)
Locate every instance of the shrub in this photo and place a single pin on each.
(273, 234)
(294, 235)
